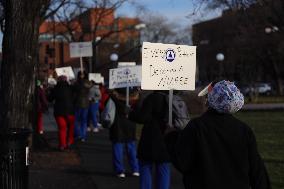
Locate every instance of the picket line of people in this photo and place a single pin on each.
(215, 150)
(72, 102)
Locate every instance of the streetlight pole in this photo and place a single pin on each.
(220, 58)
(113, 57)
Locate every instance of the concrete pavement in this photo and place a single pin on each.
(94, 169)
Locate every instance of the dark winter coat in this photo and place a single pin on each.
(63, 96)
(122, 130)
(152, 114)
(82, 88)
(217, 151)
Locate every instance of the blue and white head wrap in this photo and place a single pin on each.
(225, 97)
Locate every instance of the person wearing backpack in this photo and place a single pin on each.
(216, 150)
(152, 151)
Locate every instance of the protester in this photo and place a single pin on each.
(81, 88)
(62, 95)
(216, 150)
(94, 98)
(42, 106)
(103, 101)
(123, 133)
(152, 149)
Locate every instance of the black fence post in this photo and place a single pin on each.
(14, 158)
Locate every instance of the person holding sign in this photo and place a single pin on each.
(122, 134)
(216, 150)
(62, 95)
(81, 88)
(152, 149)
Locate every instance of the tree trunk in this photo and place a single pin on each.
(20, 48)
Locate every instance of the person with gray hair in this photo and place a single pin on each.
(216, 150)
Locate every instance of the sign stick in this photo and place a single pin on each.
(127, 96)
(171, 107)
(81, 64)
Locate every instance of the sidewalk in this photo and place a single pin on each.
(88, 166)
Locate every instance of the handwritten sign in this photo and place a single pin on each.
(96, 77)
(125, 77)
(81, 49)
(67, 71)
(168, 66)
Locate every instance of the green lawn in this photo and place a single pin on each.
(265, 99)
(268, 127)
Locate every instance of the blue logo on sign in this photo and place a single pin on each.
(170, 55)
(127, 71)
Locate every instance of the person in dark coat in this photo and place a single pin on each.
(216, 150)
(152, 149)
(63, 97)
(123, 133)
(81, 89)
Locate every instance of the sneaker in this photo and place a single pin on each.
(41, 132)
(121, 175)
(135, 174)
(83, 140)
(99, 124)
(95, 130)
(89, 129)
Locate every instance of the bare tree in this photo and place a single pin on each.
(72, 17)
(160, 30)
(20, 21)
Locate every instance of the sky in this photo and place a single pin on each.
(175, 10)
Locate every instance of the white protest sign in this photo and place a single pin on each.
(125, 77)
(96, 77)
(81, 49)
(67, 71)
(102, 80)
(168, 66)
(124, 64)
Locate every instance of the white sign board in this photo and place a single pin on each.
(67, 71)
(168, 66)
(125, 77)
(96, 77)
(124, 64)
(102, 80)
(81, 49)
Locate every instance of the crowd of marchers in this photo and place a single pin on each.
(214, 150)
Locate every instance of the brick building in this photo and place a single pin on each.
(108, 34)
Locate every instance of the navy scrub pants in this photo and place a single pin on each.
(117, 150)
(162, 175)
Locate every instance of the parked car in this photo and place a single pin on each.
(263, 88)
(260, 88)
